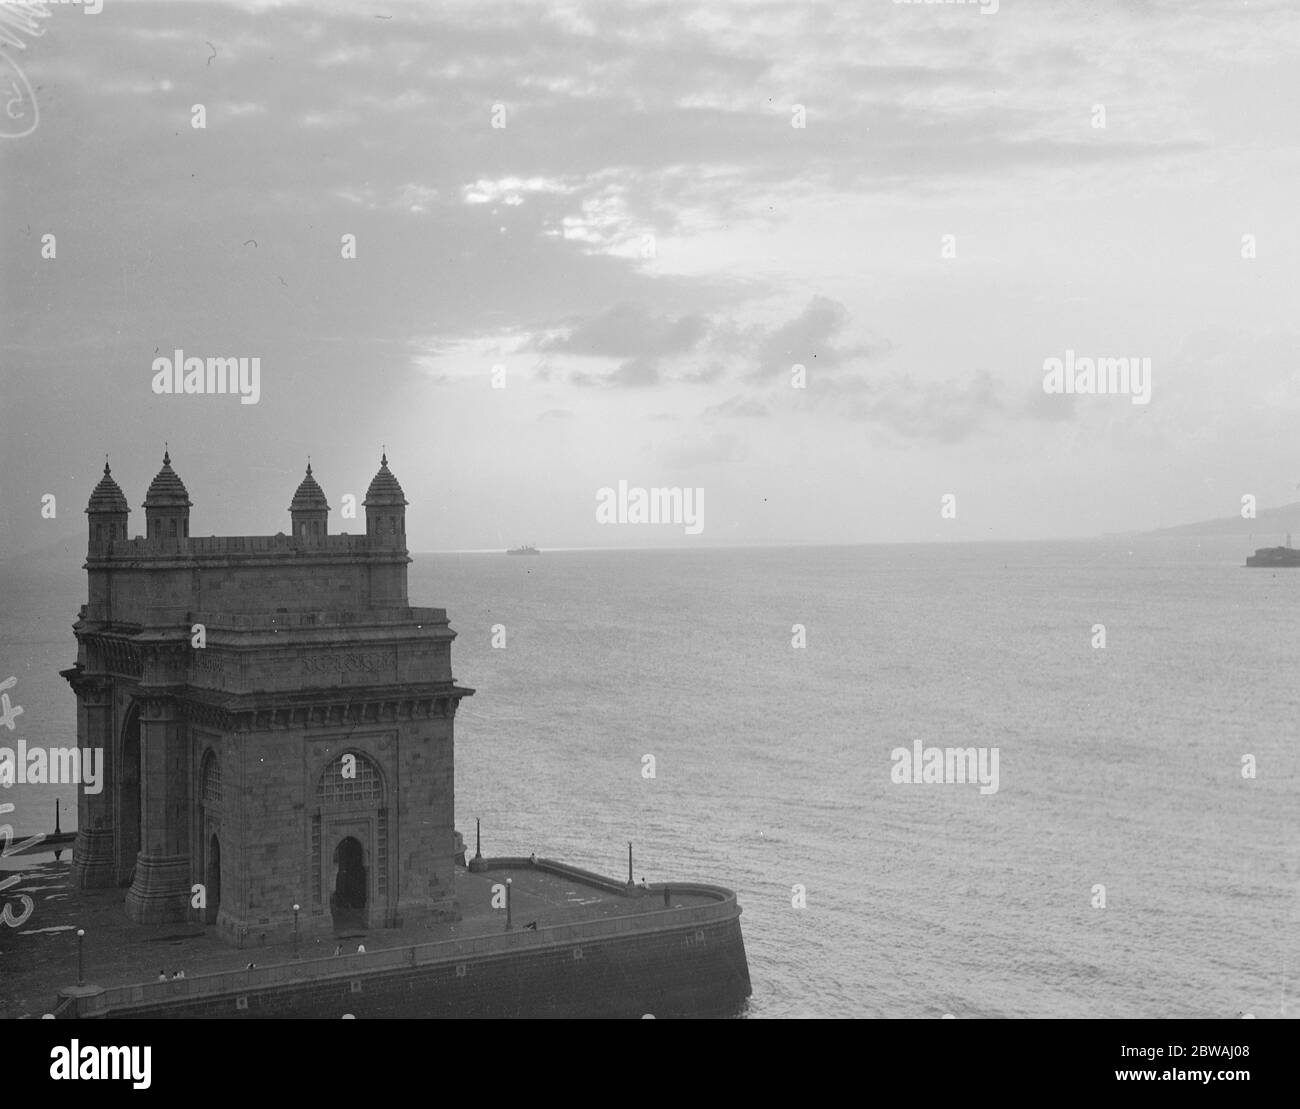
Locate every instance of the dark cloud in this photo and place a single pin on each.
(635, 373)
(706, 375)
(941, 411)
(639, 373)
(748, 407)
(630, 331)
(808, 340)
(1052, 408)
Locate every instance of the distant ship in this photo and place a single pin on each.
(525, 549)
(1275, 556)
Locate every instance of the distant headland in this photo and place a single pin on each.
(1266, 522)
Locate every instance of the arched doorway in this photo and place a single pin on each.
(210, 822)
(128, 798)
(349, 843)
(212, 880)
(348, 901)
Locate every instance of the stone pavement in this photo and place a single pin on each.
(40, 958)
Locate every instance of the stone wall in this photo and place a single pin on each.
(125, 588)
(677, 962)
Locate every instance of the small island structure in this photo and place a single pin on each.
(1275, 556)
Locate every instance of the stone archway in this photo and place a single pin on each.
(351, 886)
(349, 843)
(210, 806)
(128, 798)
(212, 880)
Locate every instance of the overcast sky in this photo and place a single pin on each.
(647, 246)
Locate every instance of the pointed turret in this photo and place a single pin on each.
(385, 506)
(107, 509)
(167, 504)
(309, 510)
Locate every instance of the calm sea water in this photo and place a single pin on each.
(1119, 766)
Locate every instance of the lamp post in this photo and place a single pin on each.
(81, 975)
(476, 864)
(508, 885)
(629, 862)
(295, 930)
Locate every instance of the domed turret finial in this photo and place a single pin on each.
(309, 510)
(385, 507)
(166, 491)
(107, 498)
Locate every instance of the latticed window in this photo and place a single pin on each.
(344, 783)
(211, 779)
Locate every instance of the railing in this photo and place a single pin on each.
(306, 971)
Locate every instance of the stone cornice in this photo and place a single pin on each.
(92, 689)
(270, 711)
(325, 709)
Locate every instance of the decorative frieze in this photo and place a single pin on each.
(350, 662)
(209, 663)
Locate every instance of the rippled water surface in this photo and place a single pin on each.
(1118, 766)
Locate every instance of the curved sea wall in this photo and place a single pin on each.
(685, 961)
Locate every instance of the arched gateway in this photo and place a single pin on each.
(351, 801)
(227, 677)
